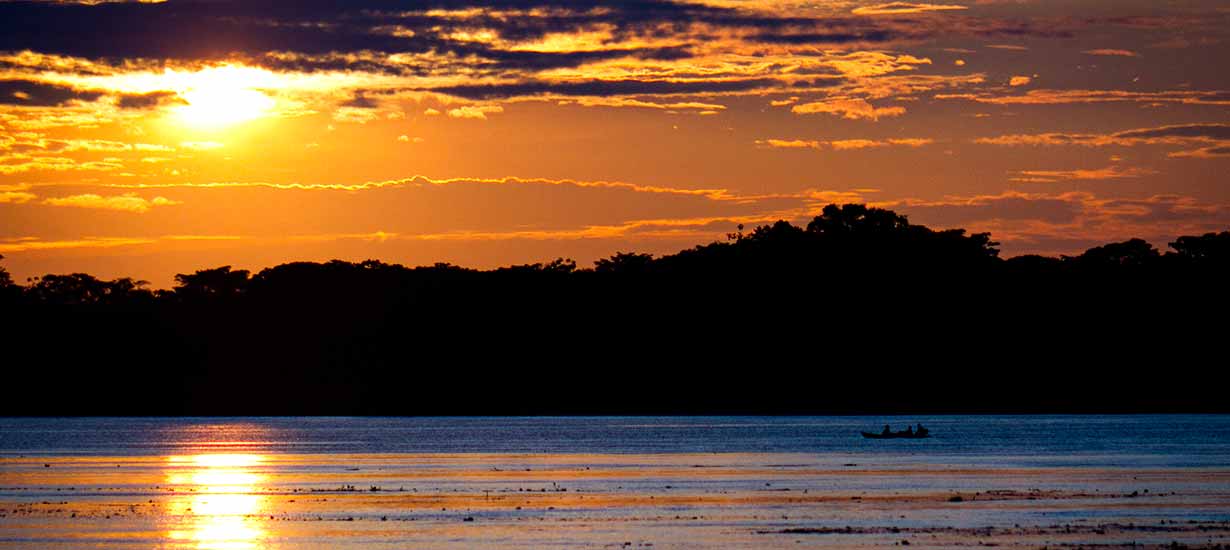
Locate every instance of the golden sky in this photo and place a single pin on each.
(151, 138)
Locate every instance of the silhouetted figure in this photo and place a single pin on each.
(887, 431)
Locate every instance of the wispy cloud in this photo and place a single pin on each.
(1107, 173)
(843, 144)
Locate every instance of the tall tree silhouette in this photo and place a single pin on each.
(219, 282)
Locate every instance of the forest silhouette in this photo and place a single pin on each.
(859, 311)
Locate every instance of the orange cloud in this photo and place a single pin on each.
(898, 8)
(22, 245)
(1111, 52)
(843, 144)
(1110, 172)
(852, 109)
(16, 197)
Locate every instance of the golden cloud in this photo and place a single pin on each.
(477, 112)
(128, 202)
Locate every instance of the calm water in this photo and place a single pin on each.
(613, 482)
(1094, 441)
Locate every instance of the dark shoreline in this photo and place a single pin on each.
(859, 312)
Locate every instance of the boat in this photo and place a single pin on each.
(922, 433)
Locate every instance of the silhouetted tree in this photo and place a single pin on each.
(8, 290)
(856, 218)
(1129, 253)
(875, 299)
(220, 282)
(562, 266)
(1210, 249)
(75, 288)
(83, 289)
(624, 263)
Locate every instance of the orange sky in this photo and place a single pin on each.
(147, 139)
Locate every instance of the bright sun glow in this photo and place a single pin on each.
(223, 106)
(222, 96)
(217, 107)
(219, 502)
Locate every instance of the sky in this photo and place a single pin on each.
(146, 139)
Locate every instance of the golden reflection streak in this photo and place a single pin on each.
(223, 502)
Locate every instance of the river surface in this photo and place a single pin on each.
(613, 482)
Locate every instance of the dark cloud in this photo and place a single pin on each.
(318, 34)
(826, 37)
(604, 88)
(361, 101)
(39, 94)
(150, 100)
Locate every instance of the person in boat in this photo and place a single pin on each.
(886, 431)
(909, 430)
(921, 430)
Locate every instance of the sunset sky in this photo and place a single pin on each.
(146, 139)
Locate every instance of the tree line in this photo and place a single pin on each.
(858, 311)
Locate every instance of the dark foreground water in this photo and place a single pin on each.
(614, 482)
(1095, 441)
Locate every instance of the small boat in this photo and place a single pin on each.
(922, 433)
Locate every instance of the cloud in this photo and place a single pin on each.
(201, 145)
(853, 109)
(843, 144)
(1070, 222)
(478, 112)
(355, 115)
(22, 245)
(39, 94)
(150, 100)
(16, 197)
(602, 88)
(1019, 80)
(1215, 135)
(791, 144)
(1111, 52)
(128, 202)
(1209, 131)
(1059, 97)
(898, 8)
(1109, 172)
(483, 49)
(21, 163)
(1219, 151)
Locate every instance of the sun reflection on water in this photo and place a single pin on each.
(221, 509)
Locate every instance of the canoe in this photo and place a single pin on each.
(896, 435)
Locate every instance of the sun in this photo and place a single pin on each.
(223, 96)
(223, 106)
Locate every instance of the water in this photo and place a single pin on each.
(613, 482)
(1077, 441)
